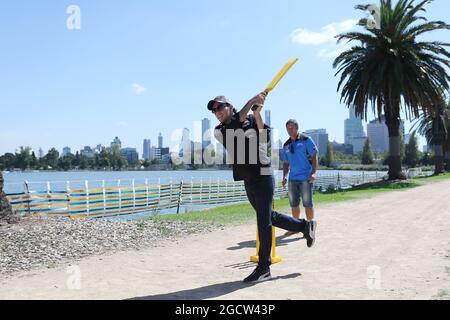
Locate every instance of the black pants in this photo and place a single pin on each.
(260, 194)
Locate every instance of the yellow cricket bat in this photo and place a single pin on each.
(279, 76)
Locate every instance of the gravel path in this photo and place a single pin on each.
(394, 245)
(48, 242)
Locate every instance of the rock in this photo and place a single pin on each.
(7, 214)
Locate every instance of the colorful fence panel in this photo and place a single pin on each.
(88, 200)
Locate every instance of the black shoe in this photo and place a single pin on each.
(310, 233)
(259, 275)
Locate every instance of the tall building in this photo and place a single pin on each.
(268, 122)
(117, 142)
(186, 145)
(40, 153)
(146, 149)
(320, 137)
(161, 154)
(353, 127)
(164, 152)
(379, 136)
(87, 152)
(160, 141)
(354, 131)
(155, 153)
(342, 148)
(267, 119)
(358, 144)
(378, 133)
(99, 148)
(66, 150)
(131, 155)
(206, 133)
(165, 158)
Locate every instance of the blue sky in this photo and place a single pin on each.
(137, 68)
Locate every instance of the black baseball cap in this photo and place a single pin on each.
(219, 99)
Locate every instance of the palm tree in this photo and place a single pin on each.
(392, 70)
(435, 127)
(447, 142)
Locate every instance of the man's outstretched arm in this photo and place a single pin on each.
(256, 100)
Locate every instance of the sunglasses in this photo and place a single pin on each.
(219, 108)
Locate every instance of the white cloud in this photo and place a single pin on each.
(333, 52)
(326, 34)
(138, 89)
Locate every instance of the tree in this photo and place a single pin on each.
(33, 162)
(426, 159)
(412, 152)
(390, 69)
(116, 158)
(8, 161)
(76, 161)
(84, 163)
(402, 148)
(328, 160)
(121, 163)
(103, 159)
(447, 141)
(23, 158)
(66, 162)
(367, 154)
(146, 163)
(51, 158)
(433, 125)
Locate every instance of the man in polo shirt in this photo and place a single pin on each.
(246, 139)
(300, 161)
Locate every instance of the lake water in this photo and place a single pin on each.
(14, 181)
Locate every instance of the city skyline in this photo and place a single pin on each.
(320, 136)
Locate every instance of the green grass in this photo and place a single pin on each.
(443, 295)
(243, 213)
(433, 178)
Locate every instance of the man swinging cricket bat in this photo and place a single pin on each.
(237, 132)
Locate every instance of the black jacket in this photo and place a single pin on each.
(250, 155)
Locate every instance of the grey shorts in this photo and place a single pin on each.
(303, 190)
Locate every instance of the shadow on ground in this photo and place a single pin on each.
(209, 292)
(281, 242)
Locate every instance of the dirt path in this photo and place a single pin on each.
(393, 246)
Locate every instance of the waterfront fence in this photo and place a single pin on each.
(123, 197)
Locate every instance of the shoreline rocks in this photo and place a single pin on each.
(7, 214)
